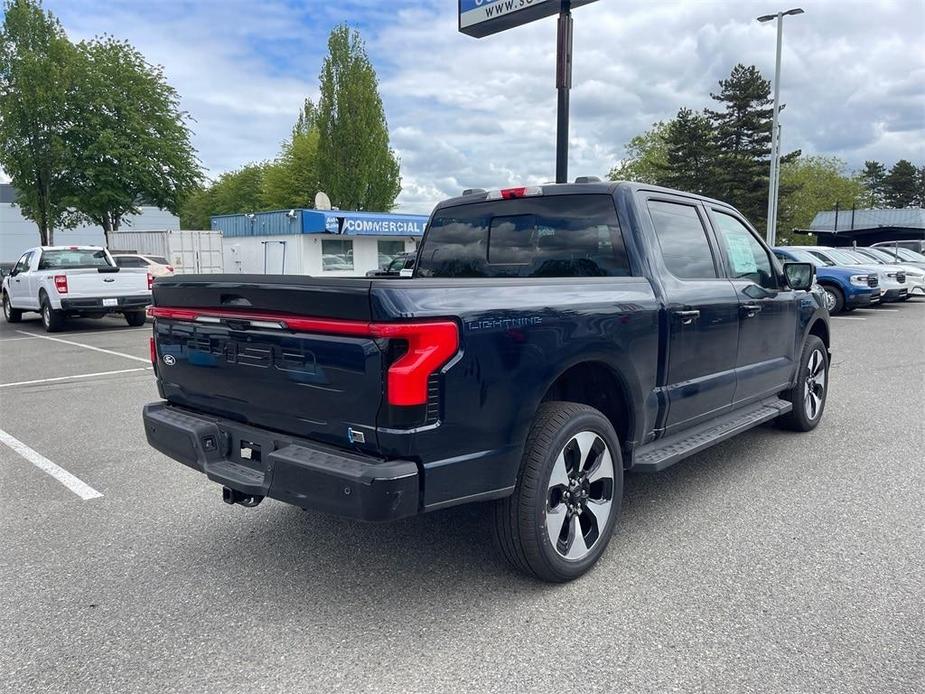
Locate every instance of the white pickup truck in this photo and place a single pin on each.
(63, 281)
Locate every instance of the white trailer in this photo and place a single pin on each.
(188, 251)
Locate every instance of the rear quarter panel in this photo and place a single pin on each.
(516, 337)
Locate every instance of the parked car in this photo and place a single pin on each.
(402, 261)
(904, 255)
(64, 281)
(551, 338)
(155, 264)
(892, 279)
(915, 276)
(846, 288)
(917, 245)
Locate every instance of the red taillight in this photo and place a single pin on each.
(510, 193)
(61, 284)
(150, 281)
(431, 344)
(153, 348)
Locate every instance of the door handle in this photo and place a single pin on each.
(751, 310)
(687, 317)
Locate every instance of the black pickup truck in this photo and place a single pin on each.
(550, 339)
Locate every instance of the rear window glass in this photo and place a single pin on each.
(73, 258)
(159, 259)
(556, 236)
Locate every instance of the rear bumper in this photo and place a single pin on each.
(296, 471)
(123, 303)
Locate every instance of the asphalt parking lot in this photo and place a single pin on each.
(773, 562)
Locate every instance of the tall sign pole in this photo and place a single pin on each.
(480, 18)
(563, 85)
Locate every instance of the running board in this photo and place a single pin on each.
(661, 453)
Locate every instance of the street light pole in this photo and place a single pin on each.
(775, 154)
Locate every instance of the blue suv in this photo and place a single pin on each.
(845, 288)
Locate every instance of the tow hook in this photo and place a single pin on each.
(233, 496)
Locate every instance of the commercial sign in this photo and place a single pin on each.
(374, 225)
(480, 18)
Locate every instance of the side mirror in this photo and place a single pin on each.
(800, 275)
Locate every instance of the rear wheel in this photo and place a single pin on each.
(52, 319)
(135, 318)
(10, 314)
(834, 299)
(563, 511)
(812, 386)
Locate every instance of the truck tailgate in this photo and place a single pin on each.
(90, 282)
(222, 348)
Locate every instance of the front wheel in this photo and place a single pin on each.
(135, 318)
(834, 299)
(564, 508)
(10, 314)
(809, 393)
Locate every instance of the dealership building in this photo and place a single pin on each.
(333, 243)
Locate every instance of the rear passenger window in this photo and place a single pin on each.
(683, 240)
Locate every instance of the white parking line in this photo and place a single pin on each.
(79, 487)
(14, 339)
(68, 378)
(95, 349)
(847, 318)
(887, 310)
(100, 331)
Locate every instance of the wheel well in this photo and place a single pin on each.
(595, 384)
(820, 330)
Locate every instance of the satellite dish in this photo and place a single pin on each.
(322, 201)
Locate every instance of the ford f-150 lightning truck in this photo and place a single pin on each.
(551, 338)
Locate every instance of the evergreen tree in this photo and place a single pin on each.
(873, 177)
(690, 154)
(920, 188)
(356, 166)
(743, 140)
(900, 184)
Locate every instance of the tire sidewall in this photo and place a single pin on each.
(836, 294)
(812, 344)
(6, 307)
(588, 420)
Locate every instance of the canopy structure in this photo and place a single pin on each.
(865, 227)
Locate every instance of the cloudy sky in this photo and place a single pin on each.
(469, 112)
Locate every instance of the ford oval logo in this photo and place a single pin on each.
(109, 279)
(169, 359)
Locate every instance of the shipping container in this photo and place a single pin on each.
(188, 251)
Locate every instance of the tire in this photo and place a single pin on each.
(567, 442)
(10, 314)
(52, 319)
(812, 377)
(135, 318)
(834, 299)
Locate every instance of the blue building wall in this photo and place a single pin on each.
(302, 221)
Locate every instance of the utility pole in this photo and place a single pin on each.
(563, 85)
(775, 152)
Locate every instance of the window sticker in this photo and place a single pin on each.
(740, 252)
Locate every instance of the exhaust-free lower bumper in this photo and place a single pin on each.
(259, 463)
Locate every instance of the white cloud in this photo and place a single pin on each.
(465, 112)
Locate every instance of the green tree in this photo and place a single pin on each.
(645, 156)
(690, 154)
(743, 140)
(920, 187)
(900, 184)
(872, 177)
(814, 184)
(292, 179)
(129, 142)
(356, 166)
(37, 65)
(232, 193)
